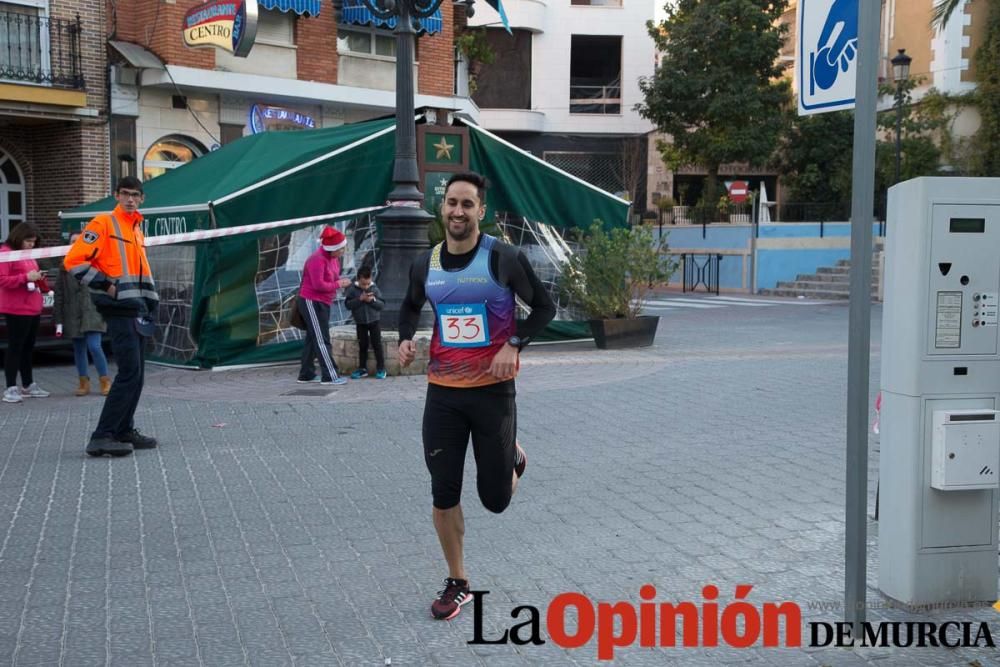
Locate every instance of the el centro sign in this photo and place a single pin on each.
(230, 25)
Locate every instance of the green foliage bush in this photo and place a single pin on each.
(610, 277)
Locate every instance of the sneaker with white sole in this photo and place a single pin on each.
(380, 375)
(12, 395)
(34, 391)
(360, 373)
(449, 601)
(338, 381)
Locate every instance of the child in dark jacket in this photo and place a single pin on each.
(365, 302)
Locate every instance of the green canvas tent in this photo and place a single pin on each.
(225, 301)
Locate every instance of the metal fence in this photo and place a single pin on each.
(602, 169)
(745, 213)
(40, 49)
(599, 99)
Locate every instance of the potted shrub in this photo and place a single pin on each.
(610, 278)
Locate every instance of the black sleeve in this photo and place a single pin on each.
(58, 306)
(514, 270)
(351, 300)
(379, 302)
(409, 310)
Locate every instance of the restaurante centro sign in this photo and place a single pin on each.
(230, 25)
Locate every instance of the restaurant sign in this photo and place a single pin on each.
(230, 25)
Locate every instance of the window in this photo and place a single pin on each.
(122, 148)
(24, 40)
(12, 203)
(595, 71)
(274, 27)
(506, 83)
(366, 41)
(228, 133)
(169, 153)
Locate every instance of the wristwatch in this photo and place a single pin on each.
(515, 341)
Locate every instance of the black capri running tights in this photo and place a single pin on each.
(489, 415)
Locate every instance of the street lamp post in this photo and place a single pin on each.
(900, 73)
(404, 223)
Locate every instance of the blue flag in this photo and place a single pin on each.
(498, 5)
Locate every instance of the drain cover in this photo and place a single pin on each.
(308, 392)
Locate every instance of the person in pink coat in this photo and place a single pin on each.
(320, 281)
(21, 288)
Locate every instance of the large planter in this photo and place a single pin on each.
(622, 333)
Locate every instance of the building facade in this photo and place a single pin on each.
(565, 82)
(171, 103)
(53, 110)
(942, 59)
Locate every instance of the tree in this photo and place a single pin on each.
(943, 11)
(718, 90)
(921, 127)
(815, 159)
(987, 97)
(630, 169)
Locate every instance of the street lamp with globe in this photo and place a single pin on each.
(900, 74)
(404, 223)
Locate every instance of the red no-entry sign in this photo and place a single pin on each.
(738, 191)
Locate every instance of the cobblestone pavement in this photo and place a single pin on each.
(273, 527)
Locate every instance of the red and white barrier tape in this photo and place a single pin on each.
(201, 235)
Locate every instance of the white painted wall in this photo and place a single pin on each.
(948, 64)
(550, 58)
(157, 119)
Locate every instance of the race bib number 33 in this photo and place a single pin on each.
(463, 325)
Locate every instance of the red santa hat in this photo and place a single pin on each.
(332, 239)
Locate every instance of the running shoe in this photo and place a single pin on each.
(520, 461)
(340, 380)
(360, 373)
(308, 380)
(449, 601)
(380, 375)
(12, 395)
(34, 391)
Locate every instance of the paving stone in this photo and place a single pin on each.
(299, 531)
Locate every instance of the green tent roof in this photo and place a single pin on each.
(242, 164)
(523, 184)
(286, 175)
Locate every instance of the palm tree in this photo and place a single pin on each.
(942, 12)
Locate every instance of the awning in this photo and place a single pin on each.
(136, 55)
(355, 13)
(526, 185)
(310, 7)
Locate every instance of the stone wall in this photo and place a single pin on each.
(344, 341)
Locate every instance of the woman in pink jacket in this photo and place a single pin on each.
(21, 287)
(320, 280)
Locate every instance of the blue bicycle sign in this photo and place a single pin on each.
(826, 57)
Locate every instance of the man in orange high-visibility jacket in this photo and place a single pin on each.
(109, 257)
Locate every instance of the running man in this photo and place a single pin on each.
(471, 280)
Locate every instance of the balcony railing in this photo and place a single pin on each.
(605, 99)
(41, 50)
